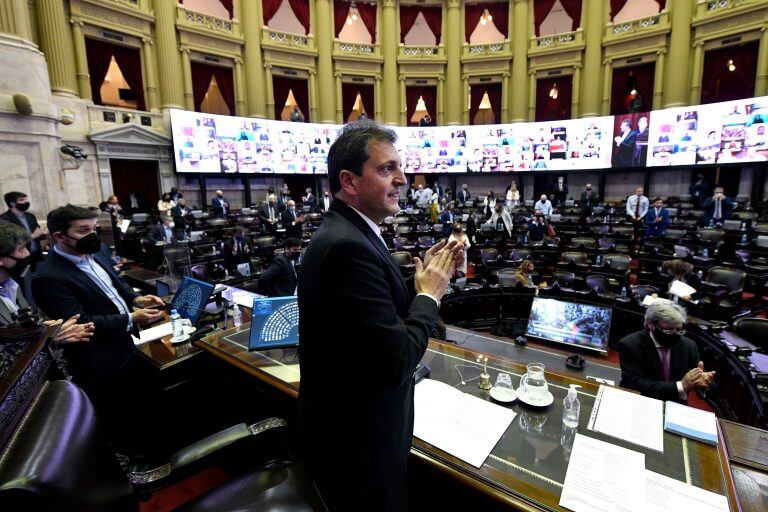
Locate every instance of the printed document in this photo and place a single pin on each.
(634, 418)
(664, 494)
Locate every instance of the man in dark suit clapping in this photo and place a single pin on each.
(268, 214)
(237, 249)
(292, 220)
(354, 300)
(279, 279)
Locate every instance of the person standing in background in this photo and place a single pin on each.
(220, 205)
(18, 213)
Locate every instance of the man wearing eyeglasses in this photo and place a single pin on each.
(659, 361)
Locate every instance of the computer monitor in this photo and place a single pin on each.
(162, 289)
(191, 298)
(274, 323)
(570, 323)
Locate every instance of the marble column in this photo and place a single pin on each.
(520, 36)
(314, 96)
(377, 99)
(531, 97)
(453, 36)
(14, 18)
(327, 107)
(188, 91)
(403, 116)
(150, 79)
(252, 21)
(761, 79)
(339, 99)
(465, 87)
(56, 44)
(593, 19)
(389, 34)
(173, 75)
(658, 80)
(81, 61)
(676, 89)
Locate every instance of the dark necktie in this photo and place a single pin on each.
(664, 355)
(637, 207)
(718, 209)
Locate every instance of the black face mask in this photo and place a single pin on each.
(18, 269)
(22, 206)
(89, 244)
(665, 340)
(294, 255)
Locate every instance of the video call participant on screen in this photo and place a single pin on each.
(659, 361)
(237, 249)
(354, 300)
(76, 280)
(268, 214)
(657, 219)
(279, 279)
(292, 220)
(560, 192)
(717, 208)
(626, 142)
(220, 205)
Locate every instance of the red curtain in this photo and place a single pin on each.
(269, 8)
(476, 96)
(640, 78)
(541, 9)
(340, 12)
(494, 96)
(472, 15)
(366, 93)
(226, 86)
(573, 9)
(281, 85)
(616, 7)
(429, 94)
(227, 5)
(408, 14)
(662, 4)
(129, 61)
(201, 81)
(301, 9)
(720, 84)
(368, 15)
(434, 17)
(99, 56)
(349, 95)
(500, 13)
(553, 109)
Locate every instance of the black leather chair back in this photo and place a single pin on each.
(402, 257)
(585, 243)
(640, 291)
(732, 278)
(598, 283)
(754, 330)
(60, 459)
(508, 278)
(521, 254)
(489, 255)
(576, 257)
(619, 262)
(564, 279)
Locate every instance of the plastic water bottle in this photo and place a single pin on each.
(571, 407)
(711, 223)
(743, 226)
(744, 238)
(598, 260)
(176, 327)
(623, 293)
(700, 273)
(237, 317)
(705, 253)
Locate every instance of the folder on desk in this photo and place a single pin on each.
(689, 422)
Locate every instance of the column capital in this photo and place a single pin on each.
(184, 49)
(388, 3)
(148, 41)
(660, 52)
(335, 75)
(377, 78)
(268, 66)
(698, 43)
(764, 29)
(578, 65)
(76, 22)
(532, 72)
(454, 4)
(238, 60)
(607, 62)
(506, 74)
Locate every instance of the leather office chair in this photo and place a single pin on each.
(623, 231)
(423, 228)
(563, 278)
(426, 241)
(60, 460)
(724, 287)
(714, 236)
(674, 235)
(403, 229)
(640, 291)
(578, 258)
(263, 242)
(606, 244)
(508, 278)
(199, 272)
(402, 244)
(599, 284)
(617, 262)
(519, 255)
(256, 265)
(583, 243)
(402, 258)
(754, 330)
(600, 230)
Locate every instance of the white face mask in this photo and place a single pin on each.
(171, 224)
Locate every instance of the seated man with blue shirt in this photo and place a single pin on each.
(76, 279)
(544, 205)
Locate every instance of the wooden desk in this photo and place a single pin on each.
(527, 467)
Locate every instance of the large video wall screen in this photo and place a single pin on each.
(719, 133)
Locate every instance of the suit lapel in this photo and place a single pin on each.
(653, 356)
(70, 268)
(5, 313)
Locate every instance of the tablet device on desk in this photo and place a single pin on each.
(191, 298)
(274, 323)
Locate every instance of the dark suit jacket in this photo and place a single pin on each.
(231, 260)
(463, 196)
(650, 217)
(178, 214)
(708, 206)
(447, 219)
(311, 201)
(263, 213)
(61, 290)
(6, 315)
(218, 208)
(626, 153)
(279, 279)
(290, 229)
(31, 220)
(587, 203)
(559, 196)
(641, 368)
(156, 234)
(354, 300)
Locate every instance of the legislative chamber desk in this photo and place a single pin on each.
(527, 468)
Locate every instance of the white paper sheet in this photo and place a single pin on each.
(648, 300)
(602, 477)
(681, 289)
(155, 333)
(123, 225)
(691, 422)
(664, 494)
(631, 417)
(465, 426)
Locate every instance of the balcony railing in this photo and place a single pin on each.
(706, 8)
(638, 26)
(102, 117)
(564, 40)
(206, 22)
(417, 52)
(287, 40)
(501, 49)
(344, 48)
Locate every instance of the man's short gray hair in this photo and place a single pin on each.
(663, 310)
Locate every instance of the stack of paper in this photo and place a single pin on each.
(690, 422)
(154, 333)
(681, 289)
(465, 426)
(629, 416)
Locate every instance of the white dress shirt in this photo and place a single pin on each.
(632, 205)
(8, 292)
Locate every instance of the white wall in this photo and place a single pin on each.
(284, 20)
(420, 33)
(211, 7)
(635, 9)
(557, 21)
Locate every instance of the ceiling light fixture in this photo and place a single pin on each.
(633, 92)
(731, 65)
(486, 17)
(352, 15)
(553, 92)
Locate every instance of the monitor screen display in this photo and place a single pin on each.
(191, 298)
(582, 325)
(274, 323)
